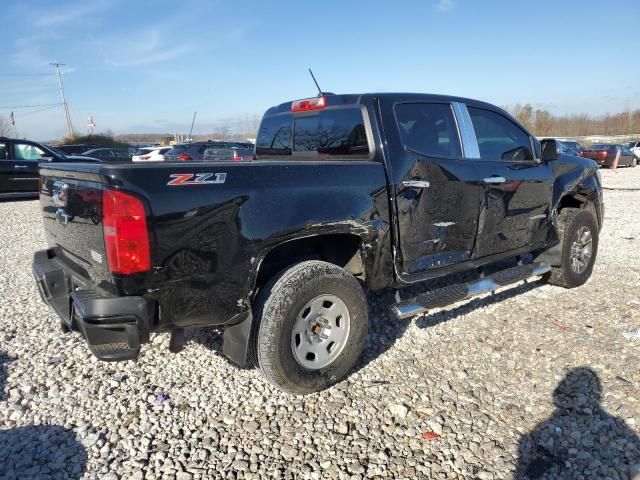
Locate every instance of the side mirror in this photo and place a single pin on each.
(549, 150)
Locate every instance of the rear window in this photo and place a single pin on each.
(143, 151)
(329, 133)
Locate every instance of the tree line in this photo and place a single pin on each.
(543, 123)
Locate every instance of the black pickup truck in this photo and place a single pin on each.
(345, 192)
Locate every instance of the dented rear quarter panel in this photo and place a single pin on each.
(210, 239)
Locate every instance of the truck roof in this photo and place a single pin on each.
(356, 98)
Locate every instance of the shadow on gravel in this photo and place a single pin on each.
(580, 440)
(38, 451)
(19, 199)
(4, 362)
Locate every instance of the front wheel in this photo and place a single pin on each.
(579, 234)
(313, 322)
(634, 162)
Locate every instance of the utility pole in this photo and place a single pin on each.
(192, 122)
(91, 124)
(64, 100)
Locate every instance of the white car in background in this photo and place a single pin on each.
(150, 154)
(635, 148)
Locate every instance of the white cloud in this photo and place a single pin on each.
(445, 5)
(60, 16)
(148, 46)
(28, 52)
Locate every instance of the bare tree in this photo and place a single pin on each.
(5, 127)
(544, 123)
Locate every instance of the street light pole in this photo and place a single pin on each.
(64, 100)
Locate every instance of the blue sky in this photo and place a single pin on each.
(142, 66)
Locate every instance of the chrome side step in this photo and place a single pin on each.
(442, 297)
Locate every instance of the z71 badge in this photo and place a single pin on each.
(196, 178)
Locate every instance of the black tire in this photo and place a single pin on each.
(570, 221)
(275, 311)
(634, 162)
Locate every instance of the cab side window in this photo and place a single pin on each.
(25, 151)
(428, 129)
(499, 138)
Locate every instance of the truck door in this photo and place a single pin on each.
(517, 187)
(25, 159)
(438, 193)
(6, 167)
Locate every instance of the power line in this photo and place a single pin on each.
(38, 111)
(32, 106)
(27, 74)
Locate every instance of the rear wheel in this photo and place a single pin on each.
(579, 234)
(313, 321)
(634, 162)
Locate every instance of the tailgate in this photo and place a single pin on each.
(71, 202)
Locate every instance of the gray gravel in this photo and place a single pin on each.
(534, 382)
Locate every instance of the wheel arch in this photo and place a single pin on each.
(346, 250)
(581, 200)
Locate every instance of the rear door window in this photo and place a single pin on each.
(428, 129)
(498, 137)
(331, 133)
(4, 151)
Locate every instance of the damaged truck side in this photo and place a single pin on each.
(345, 193)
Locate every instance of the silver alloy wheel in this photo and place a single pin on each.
(581, 250)
(320, 331)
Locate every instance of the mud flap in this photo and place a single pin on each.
(235, 341)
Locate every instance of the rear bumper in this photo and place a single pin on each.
(114, 327)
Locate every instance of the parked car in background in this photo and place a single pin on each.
(226, 154)
(194, 151)
(75, 148)
(19, 161)
(150, 154)
(605, 153)
(574, 146)
(109, 154)
(635, 148)
(566, 148)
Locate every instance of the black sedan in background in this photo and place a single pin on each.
(108, 154)
(573, 146)
(19, 165)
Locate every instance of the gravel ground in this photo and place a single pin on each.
(533, 382)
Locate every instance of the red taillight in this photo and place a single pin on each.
(126, 239)
(184, 156)
(604, 154)
(145, 157)
(306, 104)
(236, 157)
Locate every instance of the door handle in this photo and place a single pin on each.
(416, 183)
(495, 180)
(20, 166)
